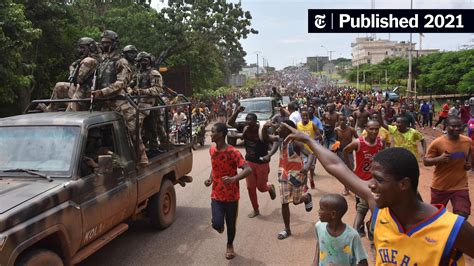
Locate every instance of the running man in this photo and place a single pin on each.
(257, 157)
(451, 156)
(345, 134)
(308, 127)
(225, 160)
(292, 175)
(365, 150)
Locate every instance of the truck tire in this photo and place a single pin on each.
(162, 206)
(232, 141)
(39, 257)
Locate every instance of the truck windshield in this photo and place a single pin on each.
(43, 148)
(257, 106)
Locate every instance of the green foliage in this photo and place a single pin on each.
(37, 39)
(466, 85)
(444, 72)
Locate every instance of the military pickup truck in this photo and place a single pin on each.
(69, 184)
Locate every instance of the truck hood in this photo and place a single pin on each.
(260, 117)
(15, 192)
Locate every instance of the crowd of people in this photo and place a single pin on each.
(371, 145)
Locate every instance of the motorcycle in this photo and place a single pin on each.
(198, 134)
(180, 133)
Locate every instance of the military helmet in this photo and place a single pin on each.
(142, 55)
(110, 35)
(130, 48)
(88, 41)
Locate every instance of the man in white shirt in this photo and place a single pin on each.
(179, 117)
(295, 115)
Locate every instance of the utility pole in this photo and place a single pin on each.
(410, 55)
(257, 53)
(357, 75)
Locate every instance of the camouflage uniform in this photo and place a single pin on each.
(150, 83)
(113, 76)
(85, 77)
(61, 90)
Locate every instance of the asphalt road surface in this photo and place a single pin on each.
(192, 241)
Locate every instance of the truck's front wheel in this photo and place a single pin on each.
(162, 206)
(39, 257)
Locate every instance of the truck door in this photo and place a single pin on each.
(104, 199)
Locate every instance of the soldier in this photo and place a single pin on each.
(149, 83)
(113, 77)
(80, 72)
(130, 53)
(84, 78)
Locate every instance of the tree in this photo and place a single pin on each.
(17, 35)
(466, 85)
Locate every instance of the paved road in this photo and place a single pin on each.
(192, 241)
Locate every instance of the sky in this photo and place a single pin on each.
(283, 37)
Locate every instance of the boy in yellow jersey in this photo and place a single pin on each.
(307, 127)
(407, 231)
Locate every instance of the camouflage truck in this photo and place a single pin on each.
(57, 209)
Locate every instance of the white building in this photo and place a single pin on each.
(367, 50)
(251, 71)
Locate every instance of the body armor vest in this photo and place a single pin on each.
(106, 73)
(144, 80)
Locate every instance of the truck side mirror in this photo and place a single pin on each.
(105, 165)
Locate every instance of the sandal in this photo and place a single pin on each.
(284, 234)
(253, 214)
(309, 205)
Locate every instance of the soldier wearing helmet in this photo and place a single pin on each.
(113, 77)
(81, 73)
(149, 83)
(130, 53)
(89, 52)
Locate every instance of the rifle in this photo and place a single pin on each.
(73, 76)
(163, 55)
(93, 89)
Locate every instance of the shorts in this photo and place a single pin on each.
(361, 206)
(459, 199)
(290, 193)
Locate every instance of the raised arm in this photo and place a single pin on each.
(233, 117)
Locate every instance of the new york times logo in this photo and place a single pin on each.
(319, 21)
(385, 20)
